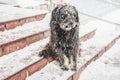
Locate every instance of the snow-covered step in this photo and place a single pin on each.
(24, 35)
(16, 61)
(91, 50)
(106, 67)
(20, 64)
(11, 17)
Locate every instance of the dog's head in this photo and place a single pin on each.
(66, 16)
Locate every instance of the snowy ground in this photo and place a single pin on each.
(105, 68)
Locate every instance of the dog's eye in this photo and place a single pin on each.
(63, 16)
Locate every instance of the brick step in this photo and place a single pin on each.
(22, 36)
(91, 50)
(11, 17)
(18, 66)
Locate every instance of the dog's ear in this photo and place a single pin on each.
(55, 14)
(77, 15)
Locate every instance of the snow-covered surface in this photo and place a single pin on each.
(89, 49)
(16, 61)
(96, 8)
(105, 68)
(115, 16)
(24, 3)
(25, 30)
(30, 3)
(8, 12)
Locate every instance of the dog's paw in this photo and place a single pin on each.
(74, 69)
(65, 68)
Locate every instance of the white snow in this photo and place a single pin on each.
(105, 68)
(114, 17)
(16, 61)
(25, 30)
(8, 12)
(30, 3)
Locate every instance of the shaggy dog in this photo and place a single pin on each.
(64, 40)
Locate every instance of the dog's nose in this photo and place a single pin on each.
(71, 23)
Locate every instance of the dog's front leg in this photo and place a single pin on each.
(73, 62)
(64, 62)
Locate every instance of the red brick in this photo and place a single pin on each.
(84, 38)
(34, 38)
(40, 17)
(47, 33)
(30, 19)
(21, 22)
(37, 66)
(91, 34)
(87, 36)
(13, 46)
(76, 76)
(1, 51)
(23, 75)
(2, 27)
(110, 45)
(12, 24)
(19, 76)
(14, 77)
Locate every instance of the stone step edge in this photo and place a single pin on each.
(29, 70)
(18, 44)
(19, 22)
(76, 75)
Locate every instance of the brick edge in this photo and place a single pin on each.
(19, 22)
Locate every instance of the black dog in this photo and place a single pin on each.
(64, 40)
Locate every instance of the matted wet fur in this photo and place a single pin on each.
(64, 40)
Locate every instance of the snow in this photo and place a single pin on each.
(8, 12)
(95, 8)
(16, 61)
(30, 3)
(25, 30)
(105, 68)
(114, 17)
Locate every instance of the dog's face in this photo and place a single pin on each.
(66, 16)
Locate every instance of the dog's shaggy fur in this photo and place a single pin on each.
(64, 40)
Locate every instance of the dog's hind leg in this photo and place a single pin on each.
(47, 52)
